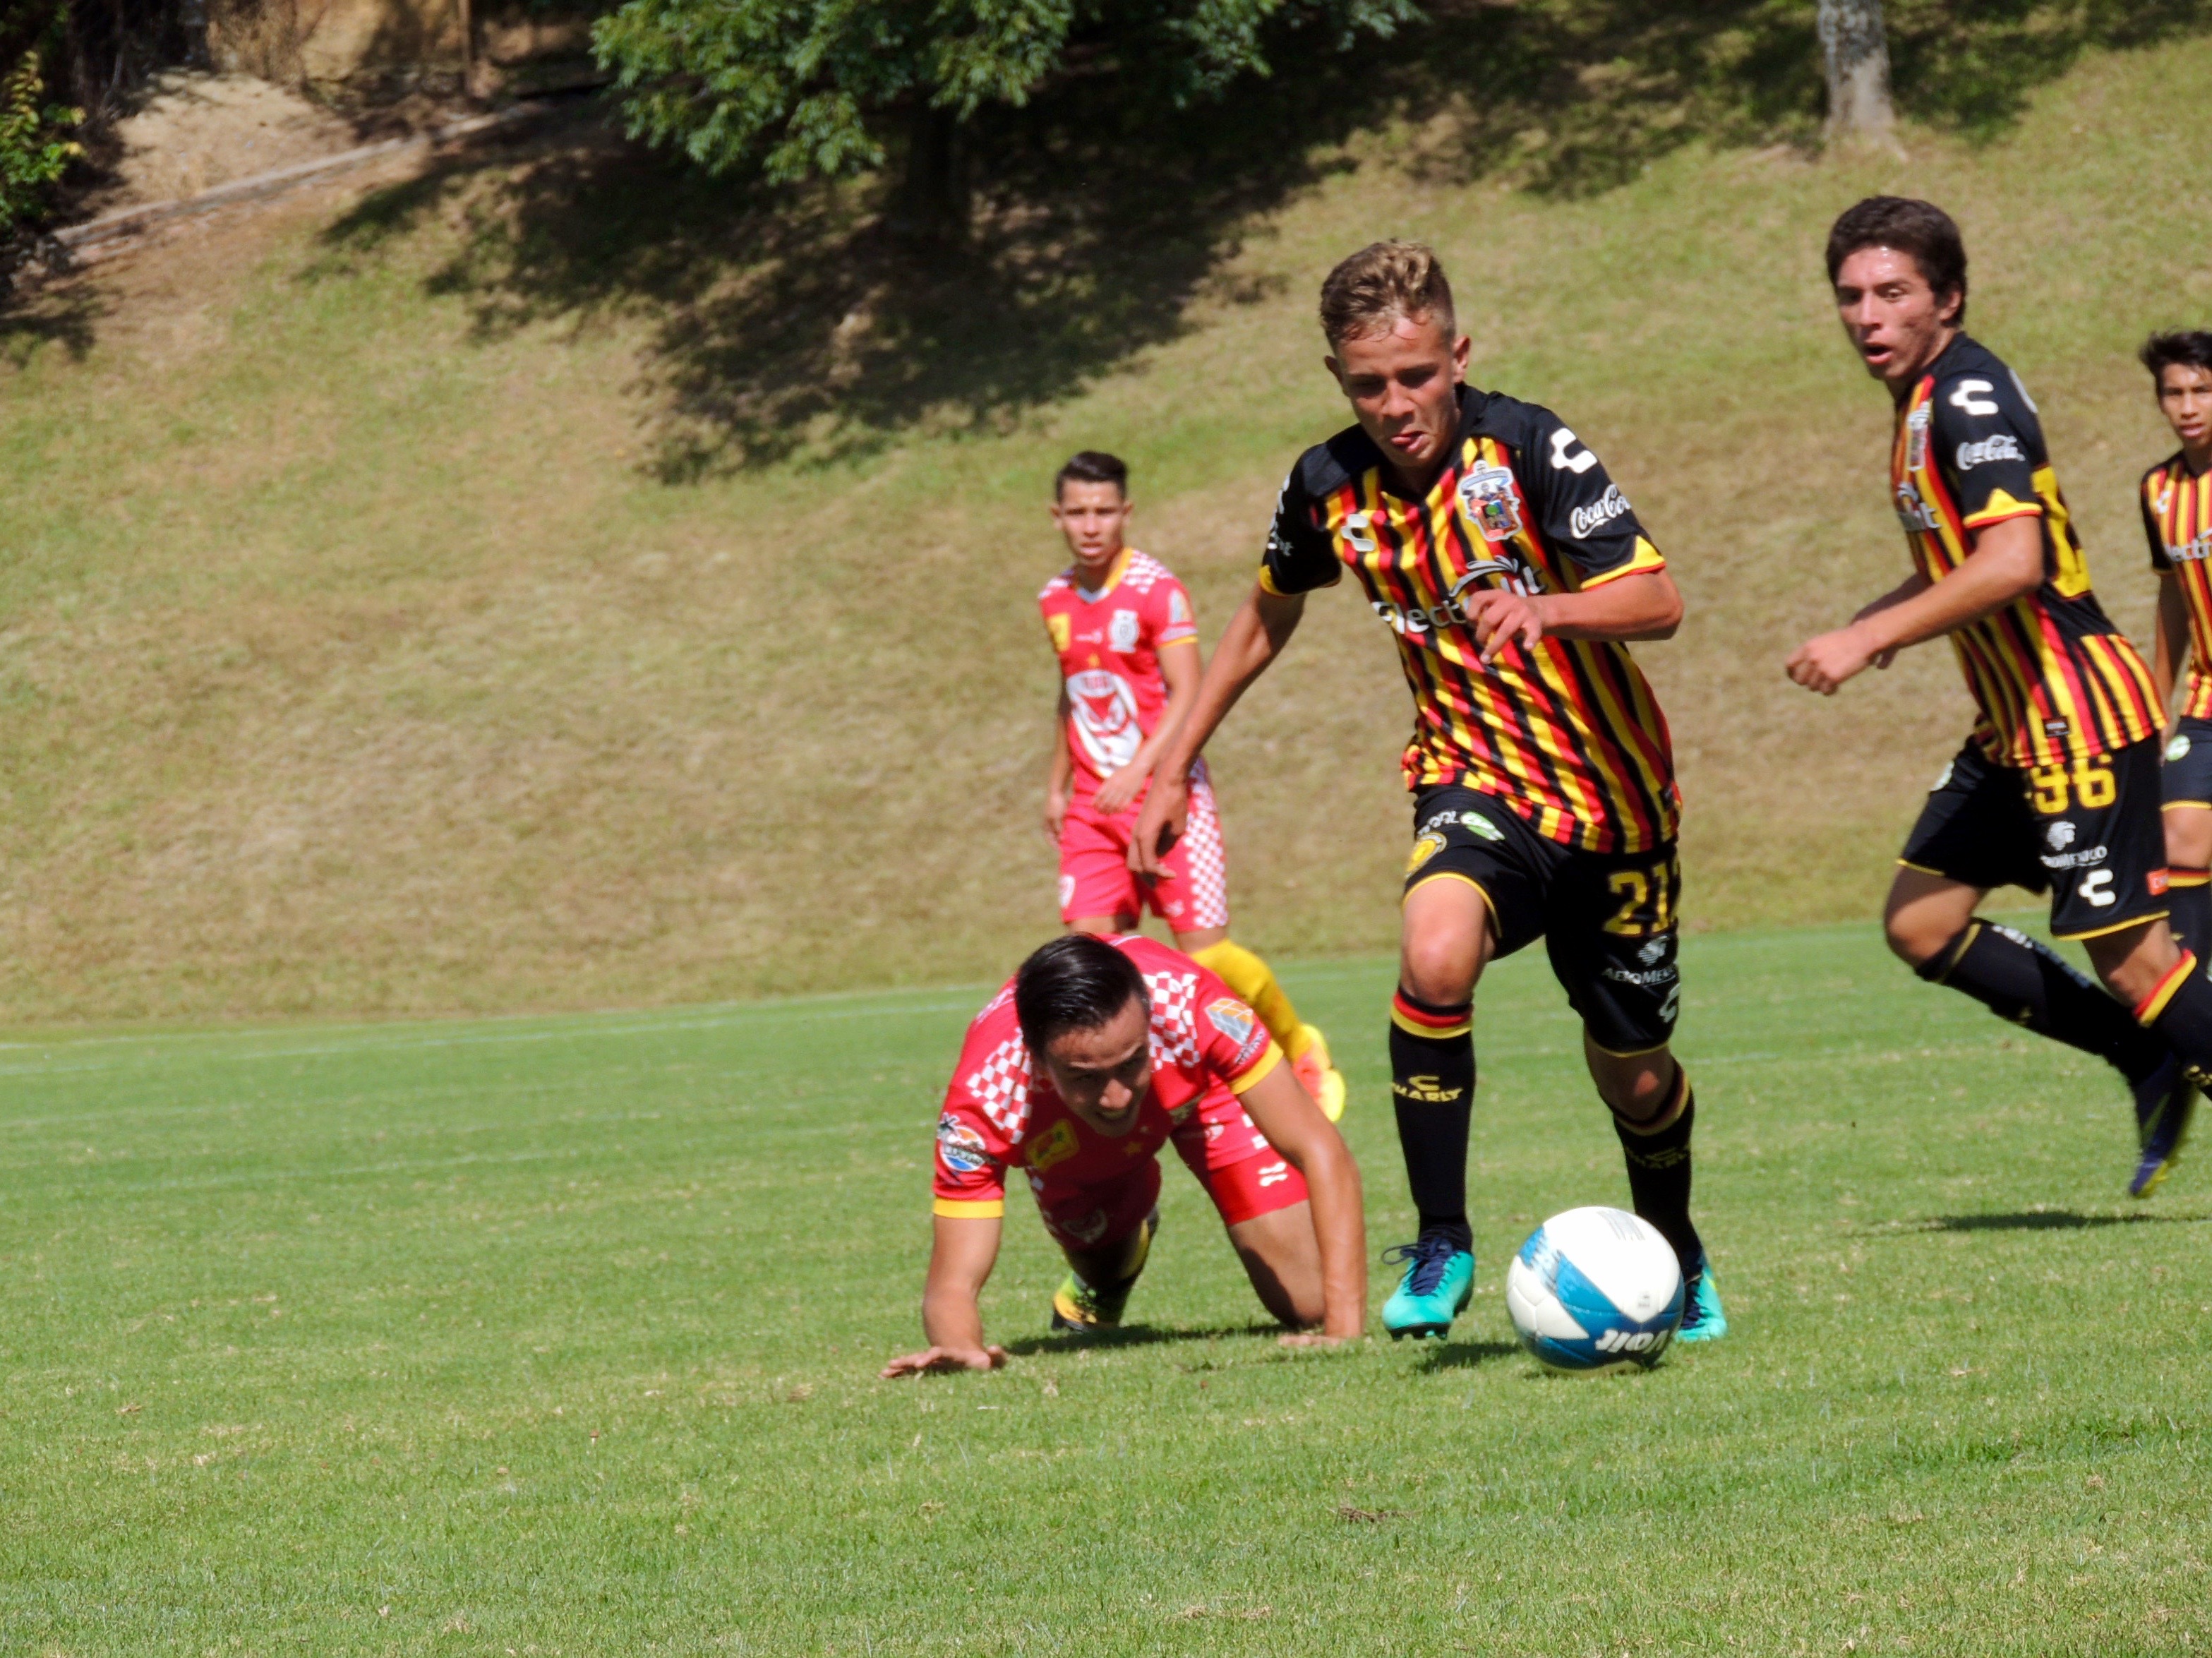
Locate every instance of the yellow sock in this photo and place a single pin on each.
(1255, 981)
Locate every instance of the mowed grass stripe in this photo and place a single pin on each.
(341, 1341)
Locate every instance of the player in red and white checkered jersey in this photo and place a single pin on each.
(1094, 1056)
(1123, 629)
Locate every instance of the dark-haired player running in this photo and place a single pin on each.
(1512, 573)
(2177, 509)
(1097, 1053)
(2057, 790)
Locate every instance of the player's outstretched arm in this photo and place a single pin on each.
(2006, 562)
(1282, 1110)
(1256, 636)
(961, 1253)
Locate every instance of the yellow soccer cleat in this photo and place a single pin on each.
(1321, 1079)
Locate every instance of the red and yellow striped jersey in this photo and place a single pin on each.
(1567, 734)
(2177, 509)
(2053, 679)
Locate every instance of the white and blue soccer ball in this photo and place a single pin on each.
(1596, 1289)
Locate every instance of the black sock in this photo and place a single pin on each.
(1659, 1172)
(2190, 901)
(1432, 1089)
(2020, 979)
(2180, 1012)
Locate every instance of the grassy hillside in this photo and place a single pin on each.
(549, 584)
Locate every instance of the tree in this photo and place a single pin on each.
(803, 88)
(34, 151)
(1857, 54)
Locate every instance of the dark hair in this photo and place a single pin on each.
(2189, 347)
(1092, 466)
(1920, 229)
(1076, 982)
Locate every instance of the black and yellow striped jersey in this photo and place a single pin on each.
(1568, 732)
(2053, 679)
(2177, 509)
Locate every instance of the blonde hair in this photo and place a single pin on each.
(1368, 293)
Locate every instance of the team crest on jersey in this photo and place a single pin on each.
(960, 1146)
(1236, 1020)
(1056, 1144)
(1121, 631)
(1061, 629)
(1916, 437)
(1491, 502)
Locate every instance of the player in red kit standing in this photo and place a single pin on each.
(1123, 629)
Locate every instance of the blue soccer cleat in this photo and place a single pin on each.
(2165, 1101)
(1438, 1283)
(1702, 1317)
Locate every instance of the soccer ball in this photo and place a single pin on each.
(1595, 1289)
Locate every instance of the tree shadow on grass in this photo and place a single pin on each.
(788, 324)
(41, 315)
(1135, 1335)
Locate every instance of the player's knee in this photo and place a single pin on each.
(1440, 969)
(1635, 1089)
(1909, 940)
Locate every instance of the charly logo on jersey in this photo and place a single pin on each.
(1513, 577)
(1104, 709)
(1585, 521)
(960, 1146)
(2003, 446)
(1357, 532)
(1121, 632)
(1491, 503)
(1915, 437)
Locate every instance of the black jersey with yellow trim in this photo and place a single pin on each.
(1566, 732)
(2053, 679)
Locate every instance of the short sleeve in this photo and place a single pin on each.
(1233, 1044)
(1172, 620)
(1579, 509)
(1986, 440)
(970, 1177)
(2159, 558)
(1300, 556)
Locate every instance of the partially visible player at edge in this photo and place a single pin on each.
(1126, 639)
(2177, 508)
(1095, 1055)
(2056, 788)
(1512, 573)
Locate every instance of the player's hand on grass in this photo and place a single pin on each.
(1115, 793)
(935, 1359)
(1500, 618)
(1159, 826)
(1824, 663)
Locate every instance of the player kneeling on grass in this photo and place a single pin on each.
(1099, 1052)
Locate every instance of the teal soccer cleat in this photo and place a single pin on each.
(1702, 1317)
(1438, 1283)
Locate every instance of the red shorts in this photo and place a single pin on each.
(1096, 879)
(1094, 1217)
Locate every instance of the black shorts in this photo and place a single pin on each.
(1606, 919)
(2185, 779)
(2088, 833)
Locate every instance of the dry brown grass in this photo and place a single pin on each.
(363, 653)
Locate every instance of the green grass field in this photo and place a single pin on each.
(559, 1336)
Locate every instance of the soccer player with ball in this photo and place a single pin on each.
(2056, 788)
(1512, 574)
(1095, 1056)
